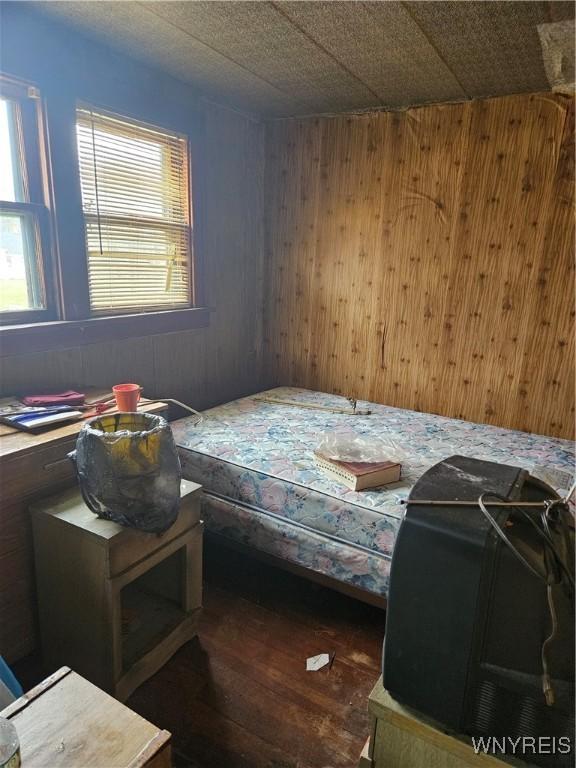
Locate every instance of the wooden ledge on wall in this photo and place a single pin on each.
(63, 334)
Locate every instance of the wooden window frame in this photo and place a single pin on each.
(147, 126)
(31, 151)
(70, 322)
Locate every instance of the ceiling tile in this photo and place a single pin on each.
(131, 28)
(492, 47)
(382, 45)
(259, 37)
(289, 58)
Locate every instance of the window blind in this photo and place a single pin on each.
(135, 184)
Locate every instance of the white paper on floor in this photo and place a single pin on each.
(317, 662)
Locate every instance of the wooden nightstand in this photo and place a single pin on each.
(115, 603)
(32, 466)
(66, 722)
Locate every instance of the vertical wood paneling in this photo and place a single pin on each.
(50, 370)
(198, 367)
(424, 259)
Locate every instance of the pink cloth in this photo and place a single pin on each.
(62, 398)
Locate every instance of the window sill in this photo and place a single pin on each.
(63, 334)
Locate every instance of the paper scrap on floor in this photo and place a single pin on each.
(317, 662)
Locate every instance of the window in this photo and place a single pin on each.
(95, 235)
(24, 242)
(135, 198)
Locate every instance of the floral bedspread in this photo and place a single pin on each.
(256, 463)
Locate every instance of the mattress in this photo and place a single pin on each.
(256, 463)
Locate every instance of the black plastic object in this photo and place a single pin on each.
(466, 620)
(129, 471)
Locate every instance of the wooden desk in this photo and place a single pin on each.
(66, 722)
(31, 466)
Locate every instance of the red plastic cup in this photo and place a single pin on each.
(127, 396)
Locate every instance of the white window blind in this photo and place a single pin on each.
(135, 185)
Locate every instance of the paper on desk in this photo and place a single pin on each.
(317, 662)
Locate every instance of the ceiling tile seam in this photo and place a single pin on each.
(431, 44)
(145, 5)
(324, 50)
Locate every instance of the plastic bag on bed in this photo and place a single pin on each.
(359, 448)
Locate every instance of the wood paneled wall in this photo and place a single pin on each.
(424, 259)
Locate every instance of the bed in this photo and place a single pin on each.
(262, 489)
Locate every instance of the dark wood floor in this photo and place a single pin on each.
(239, 696)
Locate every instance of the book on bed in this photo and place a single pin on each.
(359, 475)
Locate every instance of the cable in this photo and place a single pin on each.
(546, 682)
(544, 534)
(505, 538)
(549, 579)
(200, 416)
